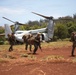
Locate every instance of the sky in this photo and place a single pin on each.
(21, 10)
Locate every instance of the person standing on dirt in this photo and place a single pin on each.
(37, 43)
(29, 36)
(11, 39)
(38, 38)
(73, 39)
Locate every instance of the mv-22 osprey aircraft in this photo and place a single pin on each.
(46, 32)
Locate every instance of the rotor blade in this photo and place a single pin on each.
(17, 23)
(42, 15)
(8, 19)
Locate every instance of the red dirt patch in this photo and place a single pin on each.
(51, 61)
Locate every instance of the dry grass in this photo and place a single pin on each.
(3, 60)
(58, 44)
(53, 58)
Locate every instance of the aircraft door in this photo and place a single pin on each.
(42, 35)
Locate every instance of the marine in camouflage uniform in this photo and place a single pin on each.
(11, 39)
(31, 41)
(28, 37)
(73, 39)
(37, 43)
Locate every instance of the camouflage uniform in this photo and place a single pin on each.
(26, 38)
(11, 39)
(73, 39)
(32, 41)
(29, 36)
(37, 43)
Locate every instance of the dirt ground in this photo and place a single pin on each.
(52, 60)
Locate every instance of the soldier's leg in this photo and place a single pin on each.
(72, 53)
(40, 45)
(10, 48)
(35, 49)
(30, 47)
(26, 46)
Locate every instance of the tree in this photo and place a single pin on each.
(61, 31)
(1, 29)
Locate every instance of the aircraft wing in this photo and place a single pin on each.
(37, 31)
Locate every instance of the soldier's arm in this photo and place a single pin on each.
(36, 40)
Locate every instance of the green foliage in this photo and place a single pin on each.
(1, 42)
(1, 30)
(61, 31)
(2, 39)
(55, 38)
(71, 28)
(6, 43)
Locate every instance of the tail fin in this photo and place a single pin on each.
(7, 30)
(16, 26)
(50, 29)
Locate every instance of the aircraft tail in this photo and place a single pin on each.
(7, 30)
(16, 27)
(50, 29)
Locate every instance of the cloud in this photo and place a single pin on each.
(11, 11)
